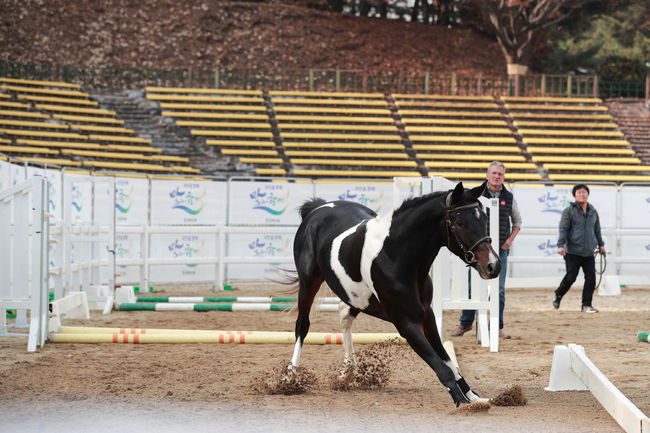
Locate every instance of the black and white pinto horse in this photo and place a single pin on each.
(380, 266)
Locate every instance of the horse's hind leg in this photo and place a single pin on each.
(347, 315)
(308, 287)
(431, 332)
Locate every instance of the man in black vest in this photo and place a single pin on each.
(508, 210)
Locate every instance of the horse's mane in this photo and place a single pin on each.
(414, 202)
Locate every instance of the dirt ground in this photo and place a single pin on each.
(211, 387)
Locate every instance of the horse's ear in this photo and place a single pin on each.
(456, 195)
(475, 193)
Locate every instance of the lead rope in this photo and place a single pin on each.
(601, 268)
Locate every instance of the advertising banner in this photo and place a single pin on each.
(17, 174)
(128, 246)
(259, 245)
(639, 248)
(131, 201)
(635, 207)
(542, 246)
(267, 203)
(182, 246)
(5, 175)
(376, 196)
(542, 206)
(54, 181)
(183, 202)
(78, 197)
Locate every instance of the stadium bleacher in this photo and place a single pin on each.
(55, 123)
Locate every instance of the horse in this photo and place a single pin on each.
(379, 265)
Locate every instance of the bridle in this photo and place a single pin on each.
(468, 253)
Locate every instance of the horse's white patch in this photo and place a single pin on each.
(359, 293)
(453, 367)
(325, 205)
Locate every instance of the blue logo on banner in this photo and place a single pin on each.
(553, 202)
(122, 197)
(547, 248)
(183, 247)
(359, 194)
(186, 198)
(268, 246)
(77, 198)
(269, 201)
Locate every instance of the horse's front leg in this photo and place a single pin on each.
(431, 333)
(410, 325)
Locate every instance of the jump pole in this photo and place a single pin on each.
(223, 337)
(235, 306)
(643, 336)
(247, 299)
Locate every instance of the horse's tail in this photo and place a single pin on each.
(310, 205)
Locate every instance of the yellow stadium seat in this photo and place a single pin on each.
(21, 81)
(584, 177)
(27, 149)
(53, 161)
(447, 113)
(20, 113)
(326, 94)
(79, 110)
(60, 144)
(555, 107)
(203, 115)
(209, 107)
(443, 97)
(369, 146)
(355, 173)
(326, 154)
(565, 132)
(574, 141)
(126, 166)
(252, 160)
(551, 99)
(96, 128)
(31, 124)
(248, 152)
(335, 136)
(487, 158)
(563, 116)
(481, 175)
(580, 150)
(118, 138)
(198, 90)
(11, 104)
(89, 119)
(595, 167)
(240, 143)
(199, 124)
(230, 133)
(464, 139)
(48, 134)
(409, 121)
(203, 98)
(270, 171)
(559, 124)
(478, 165)
(586, 159)
(458, 130)
(466, 148)
(342, 110)
(326, 126)
(336, 119)
(359, 162)
(54, 99)
(71, 93)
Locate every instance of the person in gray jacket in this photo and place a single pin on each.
(579, 237)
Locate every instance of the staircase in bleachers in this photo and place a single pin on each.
(633, 117)
(57, 124)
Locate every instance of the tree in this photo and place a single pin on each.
(518, 23)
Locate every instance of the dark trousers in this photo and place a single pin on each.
(573, 264)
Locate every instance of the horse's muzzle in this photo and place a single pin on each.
(487, 262)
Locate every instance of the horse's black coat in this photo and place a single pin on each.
(382, 265)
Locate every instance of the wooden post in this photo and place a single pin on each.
(595, 89)
(568, 85)
(364, 81)
(454, 84)
(311, 80)
(426, 83)
(479, 85)
(337, 84)
(517, 85)
(216, 78)
(543, 85)
(647, 90)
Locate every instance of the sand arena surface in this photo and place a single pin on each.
(211, 387)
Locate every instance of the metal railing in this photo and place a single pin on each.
(417, 82)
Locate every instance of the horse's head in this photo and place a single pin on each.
(465, 223)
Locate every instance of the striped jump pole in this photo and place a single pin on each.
(235, 306)
(643, 336)
(219, 337)
(246, 299)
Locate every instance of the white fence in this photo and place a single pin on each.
(24, 265)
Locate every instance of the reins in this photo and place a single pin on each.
(601, 268)
(468, 253)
